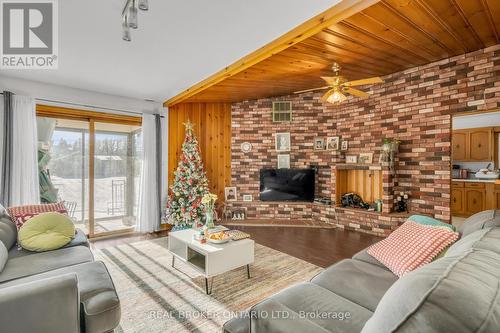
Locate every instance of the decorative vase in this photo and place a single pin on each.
(209, 220)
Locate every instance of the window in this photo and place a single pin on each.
(282, 112)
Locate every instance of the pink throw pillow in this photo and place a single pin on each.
(411, 246)
(21, 214)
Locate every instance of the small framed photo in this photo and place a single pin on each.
(365, 158)
(319, 144)
(333, 143)
(345, 145)
(351, 159)
(230, 193)
(284, 161)
(247, 197)
(283, 142)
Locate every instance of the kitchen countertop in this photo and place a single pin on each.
(476, 180)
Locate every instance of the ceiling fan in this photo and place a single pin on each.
(338, 86)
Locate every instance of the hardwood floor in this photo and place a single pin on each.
(321, 247)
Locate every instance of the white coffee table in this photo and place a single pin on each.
(210, 259)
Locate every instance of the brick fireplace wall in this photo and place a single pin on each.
(414, 106)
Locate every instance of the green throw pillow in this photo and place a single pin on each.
(425, 220)
(46, 231)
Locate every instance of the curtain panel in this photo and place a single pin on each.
(19, 158)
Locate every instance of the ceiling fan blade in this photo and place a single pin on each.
(372, 80)
(327, 94)
(356, 92)
(313, 89)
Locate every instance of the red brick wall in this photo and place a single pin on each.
(414, 106)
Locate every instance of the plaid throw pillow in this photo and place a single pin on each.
(411, 246)
(21, 214)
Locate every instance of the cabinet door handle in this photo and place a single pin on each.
(474, 201)
(479, 145)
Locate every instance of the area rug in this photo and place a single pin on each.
(158, 298)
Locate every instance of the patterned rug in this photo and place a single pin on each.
(158, 298)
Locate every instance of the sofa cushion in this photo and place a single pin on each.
(100, 304)
(426, 220)
(4, 255)
(411, 246)
(8, 231)
(307, 307)
(365, 257)
(465, 243)
(237, 325)
(80, 239)
(44, 261)
(360, 282)
(46, 232)
(459, 293)
(21, 214)
(482, 220)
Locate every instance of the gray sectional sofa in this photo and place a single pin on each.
(459, 292)
(63, 290)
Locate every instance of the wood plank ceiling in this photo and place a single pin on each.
(387, 37)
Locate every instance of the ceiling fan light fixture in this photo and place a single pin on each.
(336, 98)
(126, 30)
(143, 5)
(132, 15)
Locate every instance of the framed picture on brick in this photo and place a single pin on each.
(230, 193)
(284, 161)
(333, 143)
(365, 158)
(319, 144)
(283, 142)
(345, 145)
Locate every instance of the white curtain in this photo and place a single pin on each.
(149, 201)
(24, 182)
(164, 152)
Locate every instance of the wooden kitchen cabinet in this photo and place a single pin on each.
(468, 198)
(474, 144)
(474, 201)
(459, 146)
(457, 200)
(481, 144)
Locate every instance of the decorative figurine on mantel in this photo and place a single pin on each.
(402, 202)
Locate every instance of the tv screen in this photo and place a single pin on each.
(287, 185)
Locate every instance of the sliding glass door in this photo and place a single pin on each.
(63, 163)
(94, 167)
(116, 176)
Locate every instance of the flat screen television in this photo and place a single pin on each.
(287, 185)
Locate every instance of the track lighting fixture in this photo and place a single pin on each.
(129, 16)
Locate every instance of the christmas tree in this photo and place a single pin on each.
(190, 184)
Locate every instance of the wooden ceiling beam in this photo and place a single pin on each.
(467, 23)
(486, 7)
(430, 36)
(385, 41)
(337, 13)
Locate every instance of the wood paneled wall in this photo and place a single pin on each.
(213, 131)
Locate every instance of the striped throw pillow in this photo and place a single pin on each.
(21, 214)
(411, 246)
